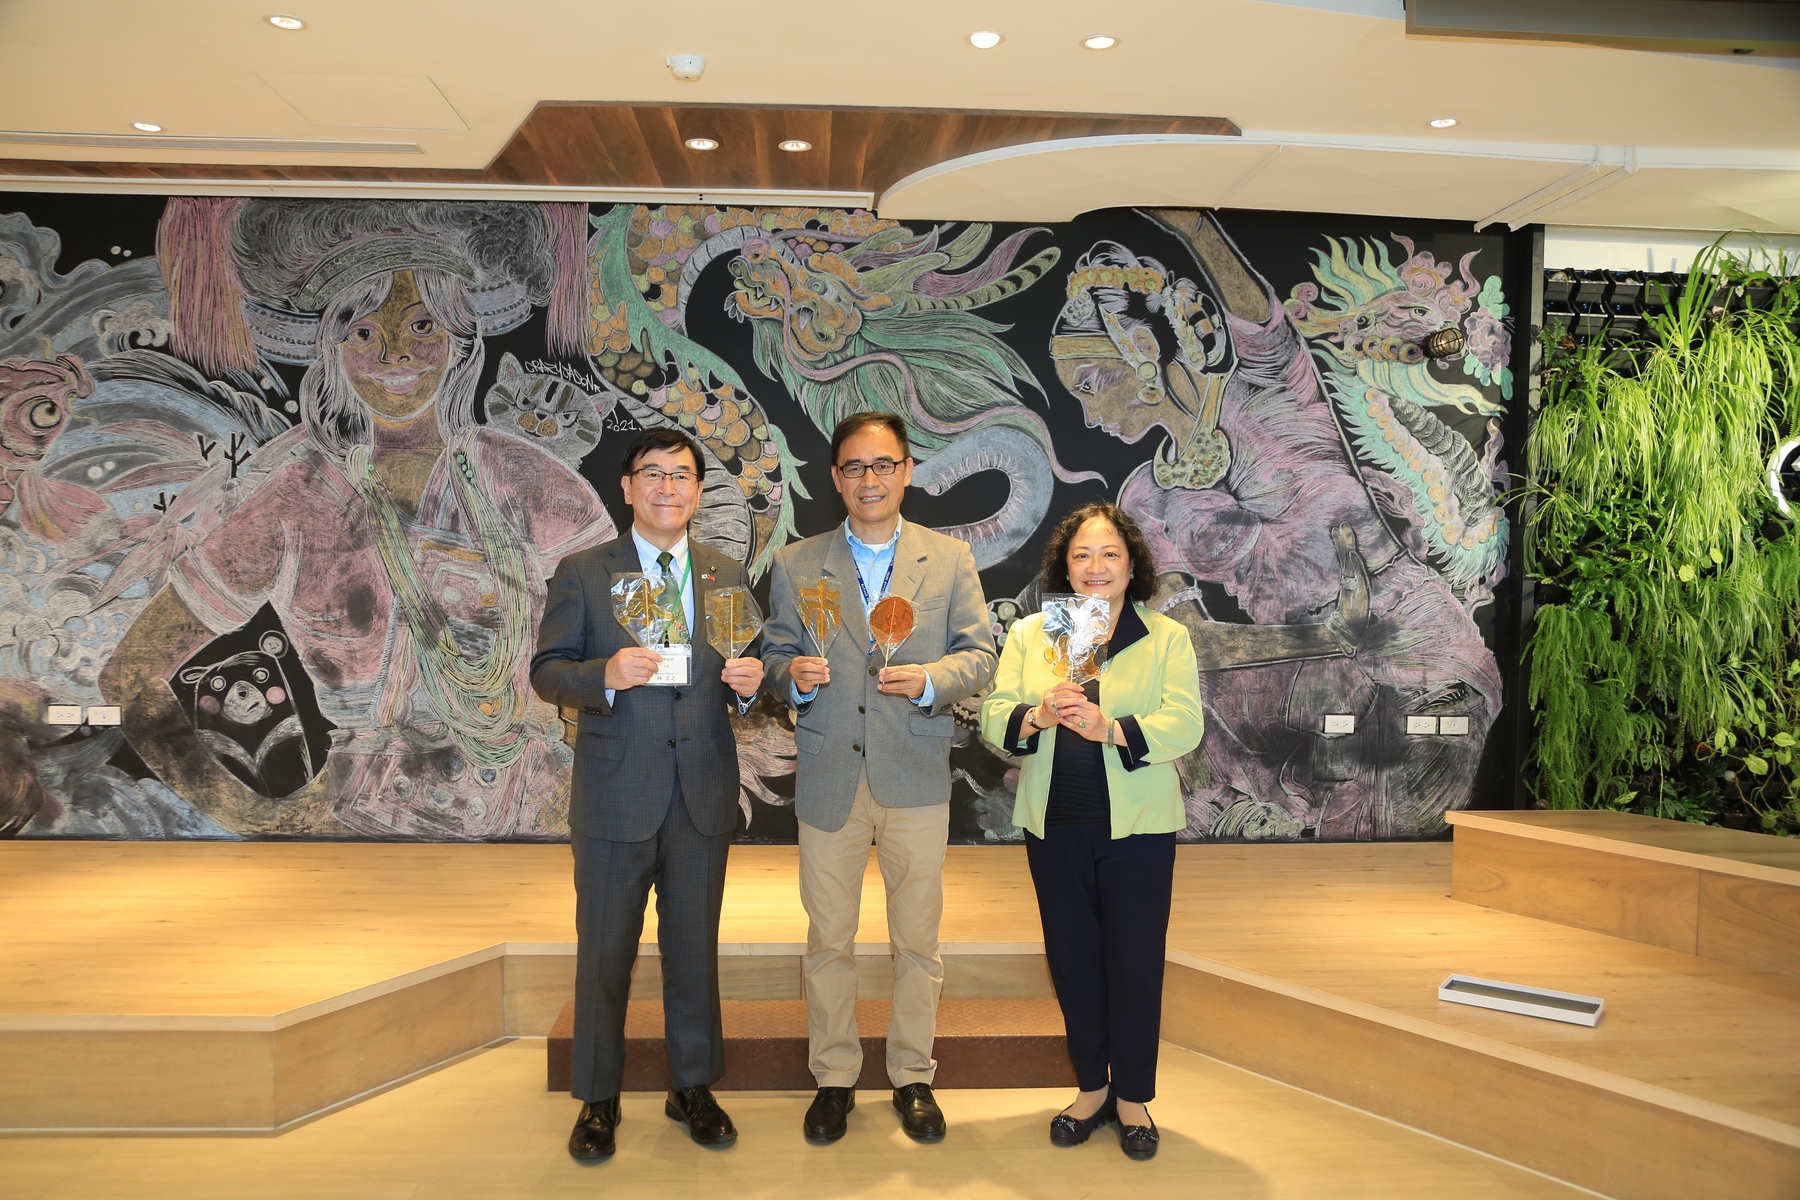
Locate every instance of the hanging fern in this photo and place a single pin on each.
(1666, 678)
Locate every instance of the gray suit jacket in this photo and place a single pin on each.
(906, 749)
(630, 754)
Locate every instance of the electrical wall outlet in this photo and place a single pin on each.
(1421, 724)
(103, 714)
(1340, 723)
(64, 714)
(1450, 726)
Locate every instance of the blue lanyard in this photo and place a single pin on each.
(869, 604)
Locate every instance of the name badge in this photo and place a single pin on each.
(676, 667)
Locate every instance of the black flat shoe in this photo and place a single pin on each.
(826, 1119)
(1138, 1141)
(592, 1139)
(1072, 1131)
(706, 1122)
(919, 1113)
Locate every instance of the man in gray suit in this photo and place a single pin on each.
(874, 761)
(654, 800)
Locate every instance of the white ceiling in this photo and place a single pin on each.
(1334, 103)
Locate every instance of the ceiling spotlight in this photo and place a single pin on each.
(1443, 122)
(1100, 41)
(795, 145)
(984, 39)
(702, 143)
(146, 126)
(282, 21)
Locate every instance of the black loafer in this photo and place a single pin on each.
(826, 1118)
(919, 1113)
(706, 1122)
(1072, 1131)
(592, 1138)
(1138, 1141)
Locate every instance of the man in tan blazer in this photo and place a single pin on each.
(874, 760)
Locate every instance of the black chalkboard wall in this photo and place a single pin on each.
(192, 527)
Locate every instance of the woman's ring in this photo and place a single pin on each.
(1081, 721)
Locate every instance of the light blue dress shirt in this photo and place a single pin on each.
(647, 556)
(873, 563)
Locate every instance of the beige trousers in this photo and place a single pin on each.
(909, 845)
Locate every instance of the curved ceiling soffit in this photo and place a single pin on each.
(1058, 179)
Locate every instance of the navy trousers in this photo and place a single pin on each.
(1105, 909)
(612, 886)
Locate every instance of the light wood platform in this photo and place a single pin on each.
(1719, 893)
(1313, 964)
(485, 1129)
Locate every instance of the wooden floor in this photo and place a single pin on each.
(209, 929)
(486, 1128)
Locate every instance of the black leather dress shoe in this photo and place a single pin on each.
(919, 1113)
(593, 1135)
(1138, 1141)
(1072, 1131)
(826, 1116)
(706, 1122)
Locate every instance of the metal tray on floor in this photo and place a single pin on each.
(1571, 1007)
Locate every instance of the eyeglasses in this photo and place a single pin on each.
(854, 468)
(681, 477)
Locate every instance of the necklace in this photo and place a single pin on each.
(477, 697)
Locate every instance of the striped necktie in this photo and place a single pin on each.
(670, 599)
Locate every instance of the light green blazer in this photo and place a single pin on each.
(1152, 688)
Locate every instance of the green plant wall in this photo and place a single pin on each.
(1665, 662)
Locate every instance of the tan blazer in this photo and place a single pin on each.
(905, 748)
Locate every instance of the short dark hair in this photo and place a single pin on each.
(1054, 576)
(650, 441)
(857, 422)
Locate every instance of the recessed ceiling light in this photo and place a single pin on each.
(146, 126)
(795, 145)
(702, 143)
(1100, 41)
(283, 21)
(1443, 122)
(984, 39)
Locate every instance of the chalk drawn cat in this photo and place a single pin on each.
(545, 410)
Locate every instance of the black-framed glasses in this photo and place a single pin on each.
(680, 477)
(855, 467)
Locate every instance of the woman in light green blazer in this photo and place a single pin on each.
(1100, 802)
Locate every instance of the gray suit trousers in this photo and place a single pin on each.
(612, 884)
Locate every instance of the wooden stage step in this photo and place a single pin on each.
(1005, 1043)
(1717, 893)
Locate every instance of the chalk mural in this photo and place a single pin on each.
(286, 487)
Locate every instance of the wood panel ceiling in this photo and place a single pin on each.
(574, 145)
